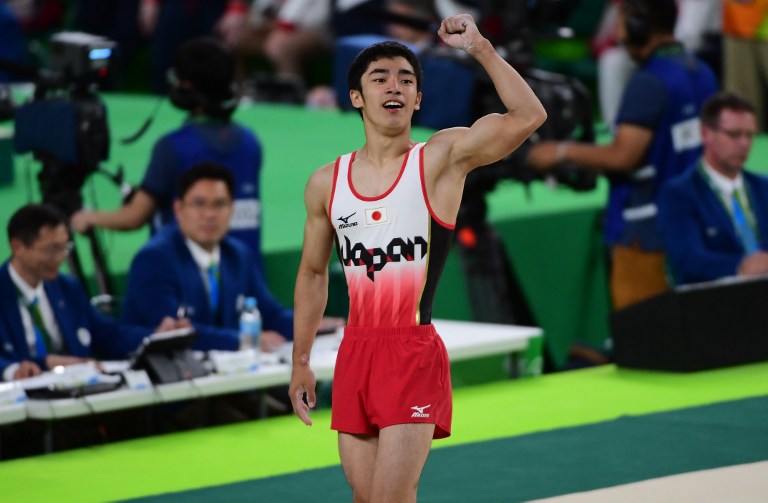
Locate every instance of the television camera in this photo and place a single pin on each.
(64, 125)
(496, 294)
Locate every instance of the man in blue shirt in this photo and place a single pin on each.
(657, 137)
(714, 217)
(202, 83)
(46, 318)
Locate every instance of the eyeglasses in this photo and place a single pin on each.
(735, 134)
(56, 250)
(201, 204)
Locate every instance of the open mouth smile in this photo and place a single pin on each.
(393, 105)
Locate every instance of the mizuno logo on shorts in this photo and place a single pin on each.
(420, 411)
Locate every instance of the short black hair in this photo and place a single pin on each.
(206, 171)
(725, 100)
(25, 224)
(209, 66)
(387, 49)
(658, 16)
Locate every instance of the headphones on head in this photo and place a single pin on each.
(188, 98)
(637, 22)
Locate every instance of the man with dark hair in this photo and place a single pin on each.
(656, 138)
(196, 268)
(714, 217)
(202, 81)
(390, 208)
(387, 49)
(202, 77)
(46, 318)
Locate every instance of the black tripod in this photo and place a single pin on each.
(61, 185)
(495, 293)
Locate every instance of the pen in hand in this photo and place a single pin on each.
(180, 321)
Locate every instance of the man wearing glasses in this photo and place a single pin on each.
(195, 270)
(46, 318)
(714, 218)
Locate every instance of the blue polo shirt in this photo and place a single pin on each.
(203, 140)
(664, 95)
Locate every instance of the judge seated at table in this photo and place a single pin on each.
(714, 217)
(46, 318)
(194, 268)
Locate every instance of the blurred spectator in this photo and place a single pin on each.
(247, 39)
(304, 29)
(170, 23)
(614, 68)
(22, 22)
(291, 33)
(745, 53)
(12, 41)
(699, 28)
(714, 217)
(614, 65)
(409, 21)
(657, 137)
(39, 16)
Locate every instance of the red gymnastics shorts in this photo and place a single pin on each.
(388, 376)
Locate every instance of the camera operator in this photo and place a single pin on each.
(656, 137)
(202, 84)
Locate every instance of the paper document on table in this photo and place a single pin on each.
(67, 379)
(235, 362)
(114, 366)
(11, 393)
(42, 381)
(324, 344)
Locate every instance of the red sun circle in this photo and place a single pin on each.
(376, 215)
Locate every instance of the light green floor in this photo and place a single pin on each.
(276, 446)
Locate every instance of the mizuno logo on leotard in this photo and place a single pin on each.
(374, 259)
(345, 221)
(420, 411)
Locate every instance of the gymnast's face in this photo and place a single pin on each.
(389, 92)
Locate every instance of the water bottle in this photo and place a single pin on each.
(250, 324)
